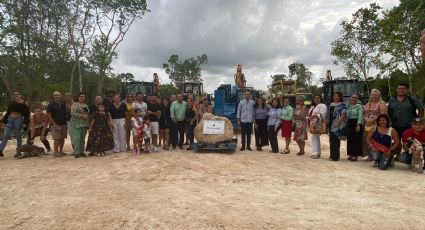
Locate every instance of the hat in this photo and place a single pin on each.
(417, 119)
(109, 91)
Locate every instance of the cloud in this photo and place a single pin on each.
(264, 36)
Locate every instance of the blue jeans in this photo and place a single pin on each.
(383, 161)
(13, 124)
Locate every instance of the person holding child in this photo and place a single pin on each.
(138, 132)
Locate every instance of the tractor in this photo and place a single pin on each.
(285, 89)
(347, 88)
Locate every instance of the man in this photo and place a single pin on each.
(172, 99)
(402, 110)
(109, 100)
(139, 103)
(245, 117)
(154, 113)
(56, 113)
(418, 132)
(178, 113)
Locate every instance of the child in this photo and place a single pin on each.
(138, 130)
(100, 128)
(147, 133)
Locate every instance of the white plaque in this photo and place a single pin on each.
(213, 127)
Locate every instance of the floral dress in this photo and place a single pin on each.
(101, 139)
(300, 122)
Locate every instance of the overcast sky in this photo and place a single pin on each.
(265, 36)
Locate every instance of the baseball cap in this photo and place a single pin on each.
(417, 120)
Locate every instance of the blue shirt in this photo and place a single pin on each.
(246, 111)
(260, 113)
(274, 117)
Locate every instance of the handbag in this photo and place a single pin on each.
(318, 127)
(380, 147)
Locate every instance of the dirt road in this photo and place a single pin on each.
(186, 190)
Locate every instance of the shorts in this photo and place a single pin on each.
(155, 127)
(60, 132)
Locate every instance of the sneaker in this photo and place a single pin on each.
(374, 163)
(314, 156)
(48, 152)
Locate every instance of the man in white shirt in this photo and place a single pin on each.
(140, 104)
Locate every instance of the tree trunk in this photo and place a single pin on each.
(7, 84)
(80, 77)
(72, 77)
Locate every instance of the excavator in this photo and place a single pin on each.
(147, 88)
(227, 96)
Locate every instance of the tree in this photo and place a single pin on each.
(167, 90)
(401, 27)
(126, 77)
(277, 77)
(357, 48)
(186, 70)
(113, 20)
(302, 75)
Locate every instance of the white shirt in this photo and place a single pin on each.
(318, 109)
(142, 106)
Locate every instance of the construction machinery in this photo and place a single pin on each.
(285, 89)
(227, 96)
(147, 88)
(194, 88)
(347, 87)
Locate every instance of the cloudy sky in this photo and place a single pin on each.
(265, 36)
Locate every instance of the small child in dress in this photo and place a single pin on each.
(147, 130)
(138, 130)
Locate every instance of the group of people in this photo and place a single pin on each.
(110, 123)
(376, 129)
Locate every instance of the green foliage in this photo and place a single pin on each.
(45, 43)
(277, 77)
(302, 75)
(357, 48)
(168, 90)
(187, 70)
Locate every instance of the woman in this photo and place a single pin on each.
(191, 121)
(375, 107)
(79, 123)
(354, 128)
(118, 111)
(16, 118)
(273, 124)
(316, 115)
(100, 131)
(260, 125)
(164, 124)
(300, 122)
(38, 127)
(337, 124)
(69, 101)
(93, 108)
(204, 108)
(286, 117)
(129, 103)
(380, 141)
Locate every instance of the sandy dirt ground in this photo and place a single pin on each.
(186, 190)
